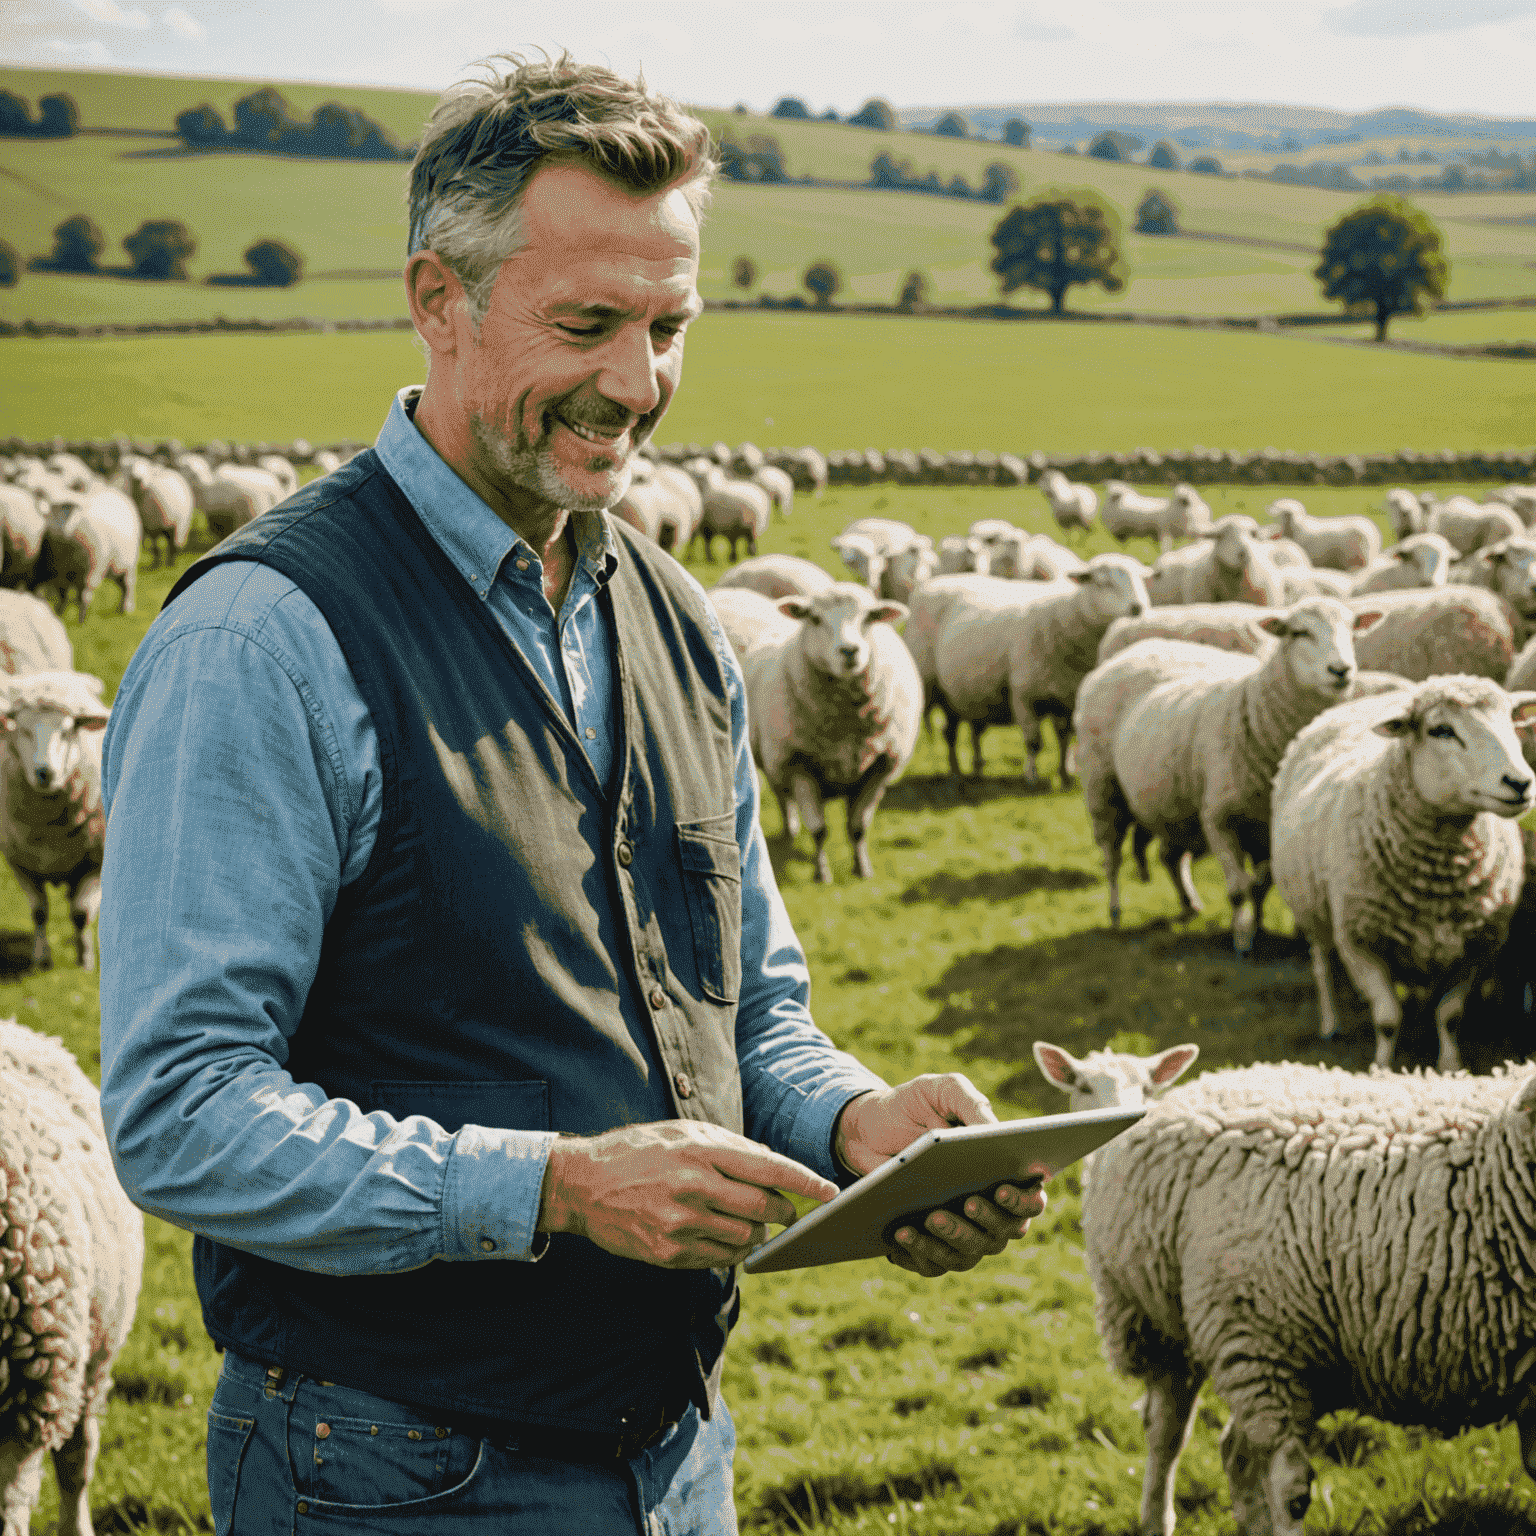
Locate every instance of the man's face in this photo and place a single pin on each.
(581, 346)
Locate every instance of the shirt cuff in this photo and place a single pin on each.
(810, 1135)
(491, 1193)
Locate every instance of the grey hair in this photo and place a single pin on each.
(486, 137)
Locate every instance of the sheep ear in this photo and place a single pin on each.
(1523, 708)
(1365, 621)
(1081, 576)
(1276, 626)
(1400, 553)
(795, 607)
(1494, 554)
(1168, 1066)
(888, 613)
(1057, 1065)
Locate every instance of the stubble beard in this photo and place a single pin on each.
(531, 468)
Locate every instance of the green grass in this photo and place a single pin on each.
(868, 1400)
(837, 381)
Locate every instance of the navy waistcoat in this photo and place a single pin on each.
(473, 973)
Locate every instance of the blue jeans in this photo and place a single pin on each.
(301, 1457)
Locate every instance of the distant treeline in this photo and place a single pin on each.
(265, 121)
(57, 117)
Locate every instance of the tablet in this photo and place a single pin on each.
(942, 1168)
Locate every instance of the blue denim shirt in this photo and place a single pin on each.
(243, 788)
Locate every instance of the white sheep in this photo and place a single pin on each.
(990, 529)
(1112, 1079)
(72, 470)
(1022, 659)
(1395, 844)
(959, 553)
(929, 607)
(888, 533)
(230, 496)
(907, 570)
(863, 557)
(1228, 564)
(1406, 511)
(1310, 1240)
(1228, 626)
(281, 470)
(1072, 505)
(776, 576)
(86, 542)
(22, 524)
(1283, 551)
(1127, 514)
(1522, 498)
(52, 825)
(1522, 669)
(1507, 568)
(1182, 740)
(1340, 543)
(70, 1281)
(327, 460)
(1420, 560)
(1046, 560)
(32, 636)
(807, 467)
(164, 501)
(834, 707)
(1439, 629)
(678, 515)
(1298, 582)
(1470, 524)
(738, 510)
(779, 484)
(748, 618)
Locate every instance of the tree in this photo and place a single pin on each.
(159, 248)
(1157, 214)
(755, 158)
(199, 127)
(15, 116)
(1206, 165)
(953, 126)
(959, 187)
(824, 281)
(1164, 156)
(77, 245)
(916, 292)
(886, 171)
(1111, 145)
(263, 120)
(1016, 132)
(744, 273)
(999, 182)
(57, 117)
(875, 113)
(1386, 254)
(273, 264)
(830, 116)
(10, 265)
(1056, 241)
(790, 106)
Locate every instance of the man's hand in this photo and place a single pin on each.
(682, 1194)
(876, 1126)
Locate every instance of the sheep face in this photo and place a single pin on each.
(1463, 753)
(835, 626)
(1318, 637)
(1107, 1078)
(1115, 587)
(859, 554)
(1430, 554)
(1514, 574)
(46, 743)
(1234, 539)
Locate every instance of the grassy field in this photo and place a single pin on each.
(975, 1406)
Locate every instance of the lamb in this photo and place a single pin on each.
(1469, 524)
(1509, 569)
(22, 523)
(1112, 1079)
(163, 499)
(32, 637)
(70, 1283)
(1395, 843)
(85, 543)
(776, 576)
(1183, 740)
(834, 708)
(1443, 629)
(737, 509)
(1311, 1240)
(1023, 658)
(1072, 505)
(52, 826)
(1229, 564)
(1420, 560)
(1340, 543)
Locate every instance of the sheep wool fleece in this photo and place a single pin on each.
(1313, 1239)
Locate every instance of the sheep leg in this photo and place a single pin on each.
(1271, 1487)
(1221, 835)
(1111, 818)
(84, 904)
(808, 798)
(1322, 976)
(1178, 862)
(1447, 1015)
(1141, 840)
(977, 765)
(21, 1481)
(36, 893)
(1374, 981)
(1034, 741)
(866, 797)
(1168, 1412)
(130, 584)
(73, 1463)
(952, 738)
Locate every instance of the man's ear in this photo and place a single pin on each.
(437, 301)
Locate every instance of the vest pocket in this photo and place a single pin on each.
(711, 860)
(515, 1105)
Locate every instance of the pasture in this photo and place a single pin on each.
(867, 1400)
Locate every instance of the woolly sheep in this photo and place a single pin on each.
(32, 637)
(1442, 629)
(930, 606)
(887, 533)
(1072, 505)
(1010, 554)
(1229, 564)
(1469, 524)
(1183, 740)
(1299, 582)
(22, 524)
(779, 484)
(231, 496)
(1522, 498)
(776, 576)
(908, 570)
(1340, 543)
(736, 509)
(281, 470)
(327, 461)
(747, 617)
(72, 470)
(863, 557)
(747, 460)
(71, 1276)
(1522, 670)
(1126, 514)
(1311, 1240)
(1022, 660)
(1507, 568)
(1420, 560)
(678, 515)
(1406, 511)
(1283, 551)
(834, 708)
(1050, 561)
(1228, 626)
(52, 826)
(807, 467)
(1112, 1079)
(86, 542)
(1395, 842)
(959, 553)
(992, 529)
(163, 499)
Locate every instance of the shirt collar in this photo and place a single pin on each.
(470, 534)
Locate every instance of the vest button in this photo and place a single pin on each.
(302, 1507)
(658, 998)
(413, 1434)
(684, 1085)
(321, 1431)
(626, 855)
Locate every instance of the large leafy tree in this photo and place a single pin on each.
(875, 113)
(159, 248)
(1385, 255)
(1056, 241)
(77, 245)
(824, 280)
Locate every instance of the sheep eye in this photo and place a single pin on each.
(813, 618)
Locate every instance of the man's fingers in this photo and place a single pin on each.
(961, 1102)
(751, 1164)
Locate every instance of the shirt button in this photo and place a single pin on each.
(626, 855)
(413, 1434)
(302, 1507)
(440, 1432)
(488, 1244)
(522, 565)
(321, 1431)
(684, 1085)
(591, 733)
(658, 998)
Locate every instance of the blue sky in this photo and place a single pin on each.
(1444, 55)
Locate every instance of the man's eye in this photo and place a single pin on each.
(581, 330)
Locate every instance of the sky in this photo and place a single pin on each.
(1475, 56)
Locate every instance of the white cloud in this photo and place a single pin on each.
(93, 52)
(1392, 18)
(110, 12)
(184, 25)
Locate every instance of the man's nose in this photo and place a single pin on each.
(630, 375)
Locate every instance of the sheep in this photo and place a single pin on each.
(807, 467)
(1522, 498)
(736, 509)
(52, 826)
(327, 461)
(779, 484)
(1072, 505)
(1339, 543)
(1229, 564)
(1049, 561)
(1127, 514)
(1228, 626)
(863, 557)
(640, 507)
(231, 496)
(1299, 582)
(1395, 845)
(70, 1284)
(281, 470)
(680, 513)
(163, 499)
(960, 553)
(776, 576)
(930, 606)
(888, 534)
(1522, 670)
(1420, 560)
(834, 708)
(1469, 524)
(1445, 629)
(1283, 551)
(32, 637)
(22, 523)
(1406, 511)
(1023, 658)
(1309, 1240)
(746, 461)
(72, 470)
(907, 570)
(86, 542)
(748, 617)
(1183, 740)
(1112, 1079)
(991, 529)
(1507, 568)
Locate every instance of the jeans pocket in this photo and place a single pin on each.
(227, 1436)
(711, 860)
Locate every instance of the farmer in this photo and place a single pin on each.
(447, 993)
